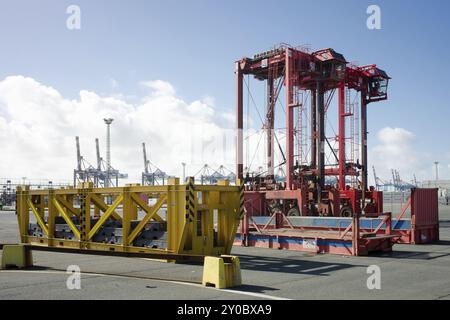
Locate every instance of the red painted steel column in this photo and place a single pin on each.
(289, 124)
(245, 229)
(320, 142)
(389, 224)
(270, 124)
(313, 128)
(363, 147)
(341, 138)
(355, 234)
(239, 122)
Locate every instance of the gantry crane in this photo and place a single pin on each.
(100, 176)
(152, 175)
(208, 175)
(318, 74)
(84, 172)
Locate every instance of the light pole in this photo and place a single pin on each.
(436, 163)
(108, 122)
(184, 171)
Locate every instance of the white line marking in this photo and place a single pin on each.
(253, 294)
(247, 293)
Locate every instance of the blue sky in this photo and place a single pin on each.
(193, 44)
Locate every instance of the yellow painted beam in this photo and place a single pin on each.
(105, 217)
(66, 204)
(144, 206)
(103, 206)
(39, 219)
(66, 218)
(147, 218)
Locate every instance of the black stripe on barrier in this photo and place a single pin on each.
(242, 201)
(242, 212)
(190, 200)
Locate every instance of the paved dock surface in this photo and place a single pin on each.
(410, 272)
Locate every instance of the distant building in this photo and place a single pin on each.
(442, 185)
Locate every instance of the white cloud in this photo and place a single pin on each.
(38, 128)
(395, 136)
(159, 87)
(397, 149)
(229, 116)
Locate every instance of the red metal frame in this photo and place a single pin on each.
(423, 227)
(318, 72)
(305, 188)
(349, 241)
(341, 137)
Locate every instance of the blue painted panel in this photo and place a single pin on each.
(332, 222)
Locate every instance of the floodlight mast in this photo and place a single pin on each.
(108, 122)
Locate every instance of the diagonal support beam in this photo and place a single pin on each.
(350, 226)
(103, 206)
(69, 222)
(269, 222)
(144, 206)
(147, 218)
(383, 221)
(66, 204)
(255, 225)
(105, 217)
(38, 217)
(403, 210)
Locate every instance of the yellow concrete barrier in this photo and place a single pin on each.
(16, 255)
(220, 274)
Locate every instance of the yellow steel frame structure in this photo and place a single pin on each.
(201, 219)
